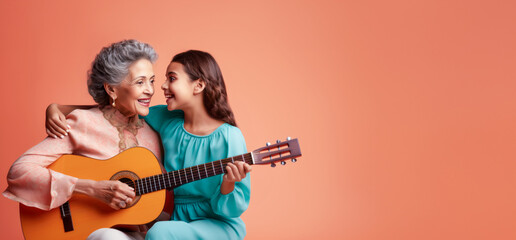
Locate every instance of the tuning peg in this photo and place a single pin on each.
(288, 138)
(273, 164)
(294, 160)
(268, 144)
(278, 141)
(283, 163)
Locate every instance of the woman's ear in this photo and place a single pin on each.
(199, 86)
(110, 90)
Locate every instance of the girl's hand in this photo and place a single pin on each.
(55, 122)
(234, 173)
(114, 193)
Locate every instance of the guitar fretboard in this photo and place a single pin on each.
(177, 178)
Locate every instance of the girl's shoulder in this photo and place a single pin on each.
(231, 132)
(232, 129)
(161, 111)
(160, 116)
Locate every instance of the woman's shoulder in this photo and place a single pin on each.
(81, 120)
(84, 115)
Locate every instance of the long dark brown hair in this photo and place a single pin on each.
(201, 65)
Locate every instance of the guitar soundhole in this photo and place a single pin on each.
(128, 178)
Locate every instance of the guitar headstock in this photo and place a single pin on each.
(278, 152)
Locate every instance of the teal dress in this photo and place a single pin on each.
(200, 210)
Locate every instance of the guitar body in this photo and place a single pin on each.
(89, 214)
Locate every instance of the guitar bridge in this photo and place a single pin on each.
(66, 216)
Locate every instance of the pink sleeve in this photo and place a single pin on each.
(31, 183)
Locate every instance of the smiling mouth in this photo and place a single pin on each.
(144, 102)
(169, 96)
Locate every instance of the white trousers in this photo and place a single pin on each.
(114, 234)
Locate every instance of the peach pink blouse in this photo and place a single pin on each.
(95, 133)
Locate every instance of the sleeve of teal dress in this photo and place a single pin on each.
(234, 203)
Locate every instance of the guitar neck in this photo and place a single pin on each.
(187, 175)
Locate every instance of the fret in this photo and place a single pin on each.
(199, 172)
(141, 187)
(159, 182)
(174, 177)
(168, 178)
(205, 170)
(154, 185)
(146, 185)
(191, 171)
(221, 167)
(213, 168)
(179, 175)
(186, 176)
(232, 160)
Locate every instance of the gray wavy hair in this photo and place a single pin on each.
(111, 66)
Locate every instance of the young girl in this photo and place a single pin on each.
(197, 126)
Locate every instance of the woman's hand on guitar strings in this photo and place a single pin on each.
(116, 194)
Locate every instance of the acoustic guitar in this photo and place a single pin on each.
(139, 168)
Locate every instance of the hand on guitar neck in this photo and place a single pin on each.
(114, 193)
(234, 173)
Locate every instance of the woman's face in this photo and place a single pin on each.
(178, 87)
(135, 91)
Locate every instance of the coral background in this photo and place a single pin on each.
(405, 110)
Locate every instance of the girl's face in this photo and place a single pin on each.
(135, 91)
(179, 89)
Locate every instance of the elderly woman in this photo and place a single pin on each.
(121, 82)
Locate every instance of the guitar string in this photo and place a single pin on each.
(148, 185)
(187, 178)
(219, 168)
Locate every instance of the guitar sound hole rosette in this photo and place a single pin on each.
(128, 178)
